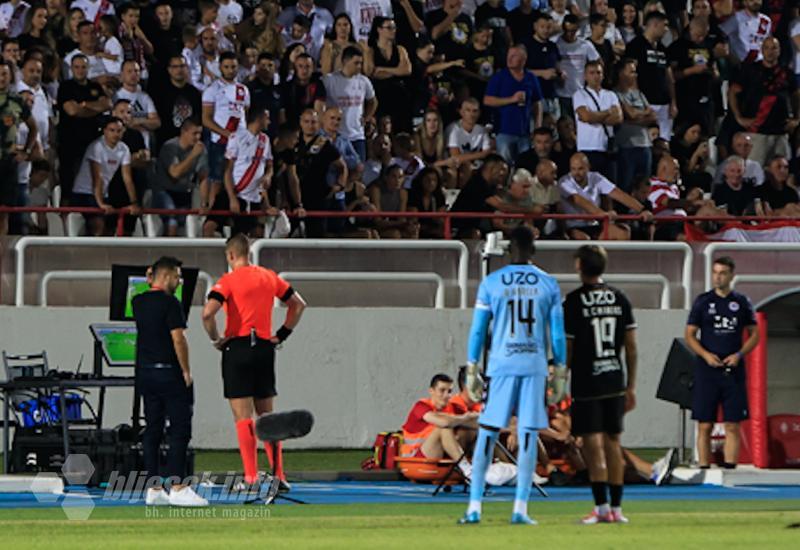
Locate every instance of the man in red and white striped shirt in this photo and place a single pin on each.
(248, 172)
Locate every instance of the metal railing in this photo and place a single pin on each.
(657, 278)
(711, 249)
(91, 275)
(355, 244)
(369, 276)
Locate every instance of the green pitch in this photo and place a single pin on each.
(663, 524)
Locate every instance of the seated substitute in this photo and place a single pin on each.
(430, 429)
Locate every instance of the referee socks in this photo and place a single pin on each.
(245, 432)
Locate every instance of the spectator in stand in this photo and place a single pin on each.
(87, 46)
(118, 196)
(522, 19)
(229, 14)
(353, 93)
(542, 149)
(42, 108)
(518, 193)
(629, 21)
(340, 37)
(559, 11)
(405, 158)
(450, 29)
(777, 197)
(483, 59)
(178, 101)
(597, 111)
(13, 55)
(545, 191)
(742, 147)
(80, 103)
(135, 45)
(388, 195)
(567, 144)
(305, 90)
(181, 167)
(582, 192)
(299, 32)
(610, 30)
(331, 121)
(104, 157)
(12, 17)
(165, 36)
(145, 117)
(575, 53)
(746, 30)
(794, 36)
(736, 193)
(379, 156)
(691, 58)
(467, 141)
(264, 94)
(668, 199)
(633, 141)
(760, 100)
(36, 34)
(408, 14)
(93, 10)
(494, 14)
(69, 36)
(597, 38)
(205, 63)
(109, 47)
(261, 30)
(362, 12)
(315, 156)
(387, 65)
(515, 95)
(655, 75)
(543, 60)
(426, 195)
(691, 150)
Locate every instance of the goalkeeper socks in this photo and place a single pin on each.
(526, 463)
(245, 432)
(615, 492)
(481, 458)
(275, 457)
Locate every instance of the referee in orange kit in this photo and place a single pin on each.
(247, 294)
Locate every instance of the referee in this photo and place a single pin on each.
(721, 315)
(164, 381)
(598, 321)
(247, 293)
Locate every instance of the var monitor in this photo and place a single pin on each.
(128, 281)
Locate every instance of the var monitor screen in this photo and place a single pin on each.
(128, 281)
(118, 342)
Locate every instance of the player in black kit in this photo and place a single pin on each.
(598, 321)
(721, 315)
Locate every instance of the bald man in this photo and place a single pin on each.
(583, 191)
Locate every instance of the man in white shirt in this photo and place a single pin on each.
(87, 45)
(321, 20)
(353, 93)
(225, 103)
(42, 109)
(596, 112)
(582, 192)
(248, 173)
(204, 61)
(103, 158)
(742, 145)
(467, 141)
(575, 53)
(12, 17)
(145, 117)
(93, 10)
(746, 30)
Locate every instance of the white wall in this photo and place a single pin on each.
(358, 370)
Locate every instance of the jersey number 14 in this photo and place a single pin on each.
(521, 312)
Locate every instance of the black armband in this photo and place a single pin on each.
(214, 295)
(288, 294)
(283, 333)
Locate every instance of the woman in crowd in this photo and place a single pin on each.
(69, 38)
(388, 195)
(36, 33)
(387, 64)
(426, 195)
(340, 37)
(286, 70)
(629, 26)
(260, 30)
(691, 150)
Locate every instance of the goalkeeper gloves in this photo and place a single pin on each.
(558, 385)
(474, 383)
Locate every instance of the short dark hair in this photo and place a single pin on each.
(126, 7)
(654, 16)
(570, 19)
(238, 244)
(84, 23)
(254, 113)
(190, 123)
(726, 261)
(120, 100)
(350, 52)
(265, 55)
(597, 18)
(522, 239)
(441, 377)
(111, 120)
(593, 259)
(539, 15)
(543, 131)
(166, 263)
(224, 56)
(492, 158)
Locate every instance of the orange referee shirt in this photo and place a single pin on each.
(248, 295)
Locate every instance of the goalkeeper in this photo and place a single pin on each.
(521, 301)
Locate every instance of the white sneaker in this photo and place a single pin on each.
(539, 480)
(186, 497)
(156, 497)
(662, 467)
(466, 468)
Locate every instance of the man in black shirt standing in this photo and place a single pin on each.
(655, 75)
(164, 381)
(178, 101)
(598, 321)
(721, 315)
(264, 94)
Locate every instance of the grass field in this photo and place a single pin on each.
(654, 525)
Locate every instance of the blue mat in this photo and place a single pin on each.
(398, 492)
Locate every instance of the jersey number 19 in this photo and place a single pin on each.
(604, 330)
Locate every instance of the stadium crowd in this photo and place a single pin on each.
(663, 107)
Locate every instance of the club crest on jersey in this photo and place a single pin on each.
(712, 308)
(519, 278)
(239, 92)
(733, 306)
